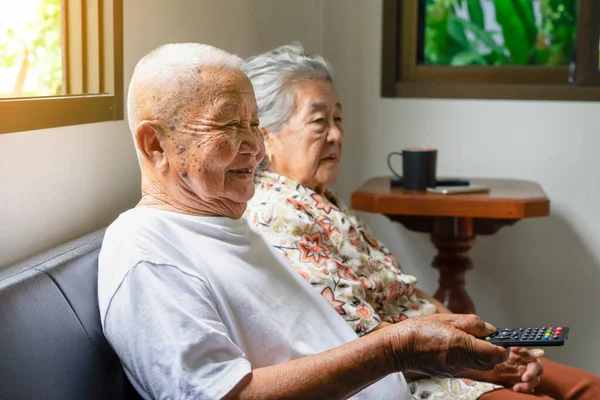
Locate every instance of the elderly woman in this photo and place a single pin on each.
(195, 303)
(330, 247)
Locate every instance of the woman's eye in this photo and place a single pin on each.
(255, 124)
(338, 119)
(319, 121)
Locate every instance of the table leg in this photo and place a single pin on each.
(453, 237)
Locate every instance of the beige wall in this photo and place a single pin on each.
(58, 184)
(543, 271)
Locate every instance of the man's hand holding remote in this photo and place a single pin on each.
(441, 345)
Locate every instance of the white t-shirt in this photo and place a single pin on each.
(192, 304)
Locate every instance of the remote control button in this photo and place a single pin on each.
(545, 338)
(488, 338)
(555, 337)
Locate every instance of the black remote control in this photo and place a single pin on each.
(529, 337)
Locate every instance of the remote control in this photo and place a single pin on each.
(529, 337)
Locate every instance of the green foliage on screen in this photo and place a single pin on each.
(452, 40)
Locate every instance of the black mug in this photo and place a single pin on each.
(418, 167)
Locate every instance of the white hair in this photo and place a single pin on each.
(273, 73)
(166, 78)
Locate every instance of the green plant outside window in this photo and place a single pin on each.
(499, 32)
(31, 56)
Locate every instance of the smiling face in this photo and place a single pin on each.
(219, 142)
(210, 151)
(308, 147)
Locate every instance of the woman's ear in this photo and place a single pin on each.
(267, 134)
(268, 137)
(147, 140)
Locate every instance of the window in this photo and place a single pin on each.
(505, 49)
(61, 63)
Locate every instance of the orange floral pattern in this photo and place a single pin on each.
(330, 247)
(364, 312)
(323, 204)
(312, 250)
(327, 294)
(298, 205)
(328, 227)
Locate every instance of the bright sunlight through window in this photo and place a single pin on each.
(31, 54)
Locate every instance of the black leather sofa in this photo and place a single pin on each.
(51, 341)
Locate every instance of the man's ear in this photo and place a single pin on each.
(147, 140)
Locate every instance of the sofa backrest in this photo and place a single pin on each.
(51, 341)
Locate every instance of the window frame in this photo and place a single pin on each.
(402, 77)
(20, 114)
(588, 68)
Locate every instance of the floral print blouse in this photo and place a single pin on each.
(339, 256)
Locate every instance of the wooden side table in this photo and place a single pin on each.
(453, 221)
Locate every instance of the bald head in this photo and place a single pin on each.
(194, 121)
(168, 81)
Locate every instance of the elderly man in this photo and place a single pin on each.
(196, 304)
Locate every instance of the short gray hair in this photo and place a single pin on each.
(166, 77)
(273, 73)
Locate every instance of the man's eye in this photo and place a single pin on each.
(255, 124)
(234, 124)
(319, 121)
(338, 119)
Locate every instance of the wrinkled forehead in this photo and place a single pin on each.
(221, 93)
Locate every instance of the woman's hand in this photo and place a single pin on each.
(441, 345)
(521, 372)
